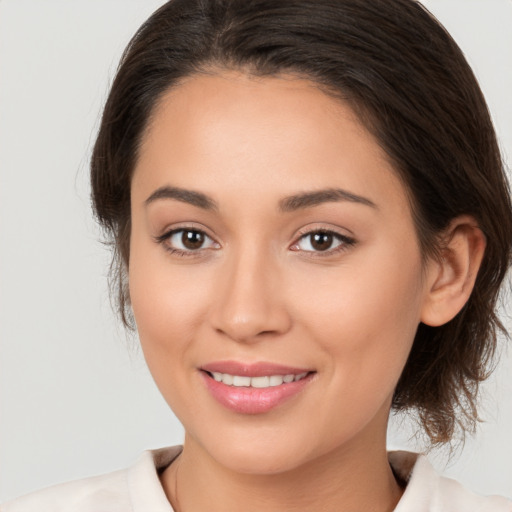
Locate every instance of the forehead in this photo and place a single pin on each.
(273, 133)
(244, 107)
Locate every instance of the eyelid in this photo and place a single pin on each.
(184, 226)
(170, 231)
(346, 240)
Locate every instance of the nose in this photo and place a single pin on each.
(250, 306)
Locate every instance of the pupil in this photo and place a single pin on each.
(321, 241)
(192, 239)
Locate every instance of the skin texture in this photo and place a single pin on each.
(257, 291)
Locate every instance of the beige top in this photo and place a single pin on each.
(138, 489)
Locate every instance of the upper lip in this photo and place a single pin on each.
(259, 369)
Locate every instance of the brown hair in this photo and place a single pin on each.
(411, 86)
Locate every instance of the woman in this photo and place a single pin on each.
(311, 226)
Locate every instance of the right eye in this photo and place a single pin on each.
(186, 241)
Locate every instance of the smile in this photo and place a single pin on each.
(254, 388)
(256, 382)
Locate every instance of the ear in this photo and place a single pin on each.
(451, 277)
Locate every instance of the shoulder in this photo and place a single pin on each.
(453, 494)
(100, 493)
(427, 491)
(132, 489)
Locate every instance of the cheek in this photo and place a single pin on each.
(169, 301)
(169, 304)
(365, 317)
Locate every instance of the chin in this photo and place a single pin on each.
(259, 460)
(263, 451)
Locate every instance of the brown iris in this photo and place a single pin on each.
(321, 241)
(192, 239)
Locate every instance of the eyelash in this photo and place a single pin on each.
(165, 238)
(345, 242)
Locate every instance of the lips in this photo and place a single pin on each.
(253, 388)
(259, 369)
(256, 382)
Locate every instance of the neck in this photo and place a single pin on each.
(351, 478)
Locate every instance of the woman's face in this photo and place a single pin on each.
(275, 274)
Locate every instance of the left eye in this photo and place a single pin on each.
(321, 241)
(189, 240)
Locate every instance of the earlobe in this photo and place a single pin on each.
(451, 278)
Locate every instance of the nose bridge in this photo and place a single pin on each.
(250, 300)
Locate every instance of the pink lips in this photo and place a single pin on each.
(249, 400)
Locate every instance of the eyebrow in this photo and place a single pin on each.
(186, 196)
(288, 204)
(330, 195)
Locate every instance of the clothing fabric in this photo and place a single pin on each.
(138, 489)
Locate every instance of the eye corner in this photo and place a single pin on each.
(340, 241)
(175, 242)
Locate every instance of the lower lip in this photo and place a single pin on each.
(249, 400)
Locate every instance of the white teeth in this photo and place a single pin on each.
(260, 382)
(276, 380)
(241, 381)
(227, 379)
(256, 382)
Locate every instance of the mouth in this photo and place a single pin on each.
(261, 382)
(254, 388)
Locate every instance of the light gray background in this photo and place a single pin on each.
(75, 396)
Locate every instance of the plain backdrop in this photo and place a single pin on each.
(75, 396)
